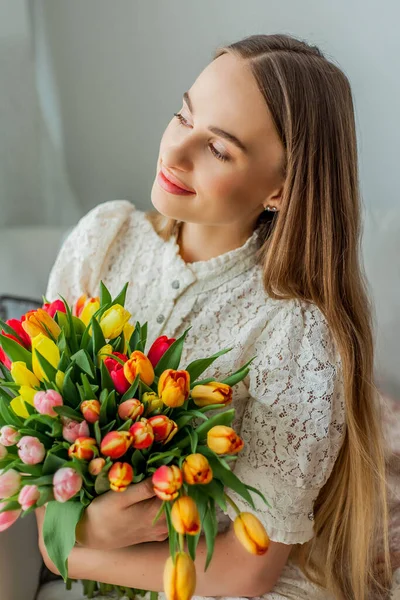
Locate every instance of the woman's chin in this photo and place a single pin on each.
(168, 205)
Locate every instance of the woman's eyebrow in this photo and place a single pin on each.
(228, 136)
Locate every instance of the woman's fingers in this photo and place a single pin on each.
(137, 492)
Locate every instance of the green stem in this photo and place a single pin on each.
(181, 542)
(231, 502)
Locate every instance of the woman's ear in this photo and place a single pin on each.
(274, 200)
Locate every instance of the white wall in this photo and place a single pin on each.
(122, 66)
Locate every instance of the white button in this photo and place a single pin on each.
(175, 284)
(160, 318)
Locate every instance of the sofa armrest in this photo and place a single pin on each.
(20, 560)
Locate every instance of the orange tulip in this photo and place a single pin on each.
(90, 410)
(167, 481)
(91, 307)
(185, 516)
(163, 427)
(179, 578)
(212, 393)
(84, 448)
(116, 443)
(174, 387)
(120, 476)
(224, 440)
(251, 533)
(142, 434)
(196, 469)
(130, 409)
(138, 363)
(39, 321)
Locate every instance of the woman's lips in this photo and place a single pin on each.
(171, 187)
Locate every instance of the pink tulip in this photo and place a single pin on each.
(3, 452)
(28, 496)
(46, 401)
(96, 465)
(10, 482)
(66, 483)
(8, 517)
(74, 429)
(31, 450)
(9, 436)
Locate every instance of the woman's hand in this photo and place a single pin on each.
(117, 519)
(120, 519)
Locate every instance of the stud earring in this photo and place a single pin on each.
(270, 208)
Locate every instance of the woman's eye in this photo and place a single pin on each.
(216, 153)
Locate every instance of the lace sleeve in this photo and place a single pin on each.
(80, 259)
(294, 421)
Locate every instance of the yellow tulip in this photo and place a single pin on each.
(185, 516)
(46, 348)
(18, 406)
(138, 363)
(60, 376)
(251, 533)
(127, 331)
(113, 321)
(174, 387)
(90, 308)
(153, 402)
(212, 393)
(179, 579)
(103, 352)
(27, 394)
(39, 321)
(22, 375)
(224, 440)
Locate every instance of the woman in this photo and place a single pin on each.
(259, 252)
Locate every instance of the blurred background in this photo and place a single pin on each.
(87, 88)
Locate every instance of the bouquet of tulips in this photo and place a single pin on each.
(84, 410)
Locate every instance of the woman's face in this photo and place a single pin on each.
(230, 184)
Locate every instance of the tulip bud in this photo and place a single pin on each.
(167, 482)
(251, 533)
(212, 393)
(22, 375)
(138, 363)
(96, 466)
(28, 496)
(116, 443)
(174, 387)
(90, 410)
(31, 450)
(196, 469)
(72, 430)
(163, 427)
(84, 448)
(39, 322)
(127, 331)
(47, 348)
(60, 376)
(130, 409)
(66, 483)
(158, 349)
(185, 516)
(142, 434)
(21, 336)
(52, 307)
(9, 436)
(8, 517)
(120, 476)
(10, 482)
(113, 321)
(179, 578)
(103, 352)
(4, 359)
(46, 401)
(79, 305)
(224, 440)
(116, 371)
(3, 452)
(154, 403)
(90, 308)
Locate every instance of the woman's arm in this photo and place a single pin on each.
(232, 571)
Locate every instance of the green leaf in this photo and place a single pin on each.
(48, 369)
(34, 470)
(98, 338)
(172, 534)
(10, 330)
(107, 428)
(125, 425)
(8, 415)
(118, 344)
(143, 335)
(65, 359)
(239, 374)
(161, 455)
(102, 483)
(87, 388)
(73, 341)
(215, 489)
(52, 463)
(192, 542)
(42, 437)
(256, 491)
(194, 439)
(10, 506)
(172, 357)
(84, 362)
(135, 337)
(210, 532)
(138, 461)
(120, 299)
(197, 367)
(97, 433)
(46, 494)
(224, 418)
(70, 413)
(43, 480)
(105, 296)
(61, 519)
(15, 351)
(69, 391)
(132, 390)
(106, 381)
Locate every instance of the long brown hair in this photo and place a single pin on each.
(311, 104)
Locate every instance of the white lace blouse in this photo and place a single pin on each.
(289, 409)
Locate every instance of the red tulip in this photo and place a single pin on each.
(115, 443)
(4, 359)
(52, 307)
(22, 336)
(158, 348)
(116, 371)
